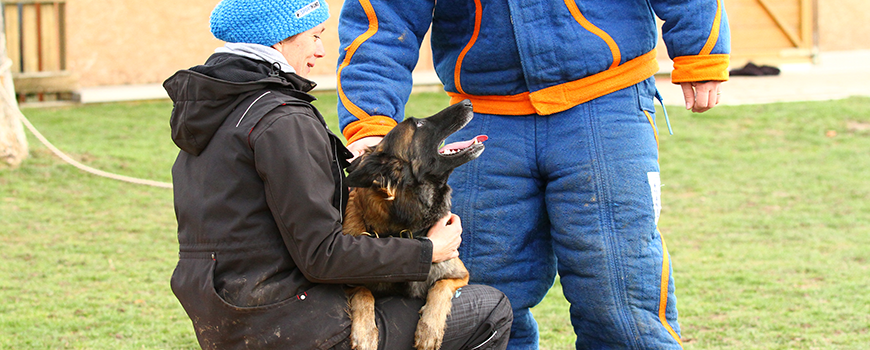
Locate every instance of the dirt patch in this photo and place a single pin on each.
(854, 126)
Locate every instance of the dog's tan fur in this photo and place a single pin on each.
(367, 207)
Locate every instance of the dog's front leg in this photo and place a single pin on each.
(433, 321)
(363, 330)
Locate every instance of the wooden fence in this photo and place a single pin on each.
(36, 43)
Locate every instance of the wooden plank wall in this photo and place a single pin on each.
(772, 30)
(36, 43)
(13, 39)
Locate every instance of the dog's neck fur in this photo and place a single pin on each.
(365, 211)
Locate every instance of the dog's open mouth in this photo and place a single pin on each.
(459, 147)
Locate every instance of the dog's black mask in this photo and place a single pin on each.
(412, 150)
(408, 166)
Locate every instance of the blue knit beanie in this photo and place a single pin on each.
(265, 22)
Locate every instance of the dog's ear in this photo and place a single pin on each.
(353, 165)
(360, 181)
(363, 172)
(359, 178)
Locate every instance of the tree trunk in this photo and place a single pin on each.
(13, 142)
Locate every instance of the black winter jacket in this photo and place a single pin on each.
(259, 200)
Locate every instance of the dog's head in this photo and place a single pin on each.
(409, 169)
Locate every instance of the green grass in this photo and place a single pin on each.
(766, 215)
(86, 259)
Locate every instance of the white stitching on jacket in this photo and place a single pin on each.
(252, 105)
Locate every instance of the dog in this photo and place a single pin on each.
(400, 190)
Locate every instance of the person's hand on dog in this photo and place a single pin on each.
(359, 146)
(701, 96)
(446, 237)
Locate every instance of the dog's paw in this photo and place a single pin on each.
(364, 339)
(428, 336)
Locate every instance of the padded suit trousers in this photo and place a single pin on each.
(576, 193)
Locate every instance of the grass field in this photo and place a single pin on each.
(766, 214)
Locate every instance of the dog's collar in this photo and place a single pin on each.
(402, 234)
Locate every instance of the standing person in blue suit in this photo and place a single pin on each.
(570, 181)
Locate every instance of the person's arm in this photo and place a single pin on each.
(293, 157)
(698, 39)
(380, 44)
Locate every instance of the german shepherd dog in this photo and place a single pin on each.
(400, 190)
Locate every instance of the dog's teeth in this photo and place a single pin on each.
(451, 151)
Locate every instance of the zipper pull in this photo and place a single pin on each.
(662, 102)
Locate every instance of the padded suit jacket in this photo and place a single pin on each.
(259, 198)
(518, 57)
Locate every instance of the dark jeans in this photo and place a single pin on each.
(479, 319)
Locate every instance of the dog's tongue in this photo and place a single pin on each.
(457, 146)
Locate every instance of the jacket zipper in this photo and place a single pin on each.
(340, 181)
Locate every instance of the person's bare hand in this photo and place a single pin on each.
(359, 146)
(701, 96)
(446, 235)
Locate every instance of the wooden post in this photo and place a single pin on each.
(13, 141)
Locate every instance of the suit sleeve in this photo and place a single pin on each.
(293, 157)
(697, 37)
(380, 44)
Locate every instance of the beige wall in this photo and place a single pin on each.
(112, 42)
(136, 42)
(844, 25)
(139, 42)
(116, 42)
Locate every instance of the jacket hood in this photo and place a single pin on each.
(203, 96)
